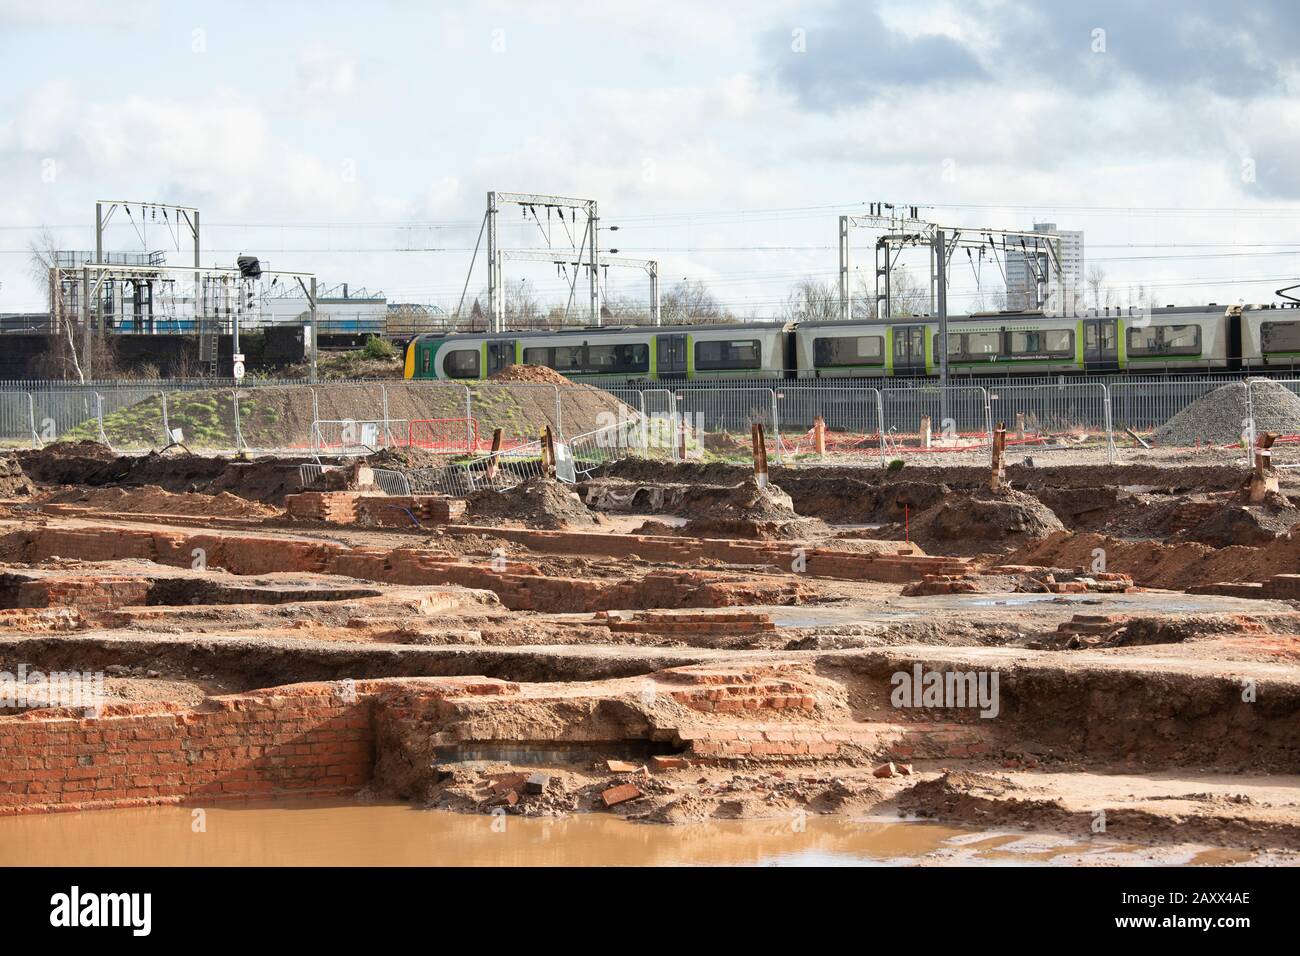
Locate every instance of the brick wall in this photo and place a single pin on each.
(520, 586)
(300, 739)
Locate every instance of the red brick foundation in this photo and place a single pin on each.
(294, 740)
(520, 586)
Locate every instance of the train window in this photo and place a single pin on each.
(576, 359)
(462, 363)
(955, 346)
(1165, 340)
(982, 343)
(849, 350)
(426, 354)
(1144, 341)
(626, 357)
(1279, 336)
(738, 354)
(1042, 342)
(567, 358)
(1182, 339)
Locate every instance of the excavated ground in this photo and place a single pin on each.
(670, 644)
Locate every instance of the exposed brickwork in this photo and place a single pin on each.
(1280, 587)
(351, 507)
(324, 737)
(305, 738)
(717, 623)
(816, 562)
(50, 591)
(519, 586)
(803, 742)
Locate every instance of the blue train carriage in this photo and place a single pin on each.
(630, 353)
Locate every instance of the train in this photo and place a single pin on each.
(1161, 340)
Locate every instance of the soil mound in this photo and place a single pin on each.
(530, 375)
(745, 501)
(280, 417)
(1254, 525)
(537, 503)
(1155, 565)
(13, 482)
(975, 520)
(1218, 416)
(154, 500)
(86, 463)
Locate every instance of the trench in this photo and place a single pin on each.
(242, 664)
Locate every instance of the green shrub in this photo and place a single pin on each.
(377, 348)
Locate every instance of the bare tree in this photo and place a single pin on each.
(43, 267)
(690, 302)
(813, 301)
(521, 307)
(907, 295)
(1096, 282)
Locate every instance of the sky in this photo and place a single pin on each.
(358, 141)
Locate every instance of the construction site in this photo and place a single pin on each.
(667, 618)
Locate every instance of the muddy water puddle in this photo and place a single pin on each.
(346, 833)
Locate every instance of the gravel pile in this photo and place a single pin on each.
(1218, 416)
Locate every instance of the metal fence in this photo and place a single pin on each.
(1055, 420)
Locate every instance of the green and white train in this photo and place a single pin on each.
(1175, 338)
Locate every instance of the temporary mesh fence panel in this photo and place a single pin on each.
(348, 437)
(437, 402)
(625, 439)
(1187, 420)
(443, 436)
(716, 423)
(841, 421)
(276, 419)
(500, 471)
(202, 420)
(520, 411)
(17, 429)
(392, 482)
(1067, 421)
(957, 419)
(359, 403)
(139, 423)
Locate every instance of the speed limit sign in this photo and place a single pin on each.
(239, 366)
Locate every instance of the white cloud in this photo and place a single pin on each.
(325, 74)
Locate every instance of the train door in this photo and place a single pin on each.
(499, 355)
(1100, 345)
(670, 357)
(1234, 340)
(909, 350)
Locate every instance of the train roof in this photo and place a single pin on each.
(600, 329)
(778, 325)
(1014, 314)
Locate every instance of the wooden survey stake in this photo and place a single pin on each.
(998, 470)
(760, 455)
(494, 459)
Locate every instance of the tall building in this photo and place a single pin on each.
(1021, 279)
